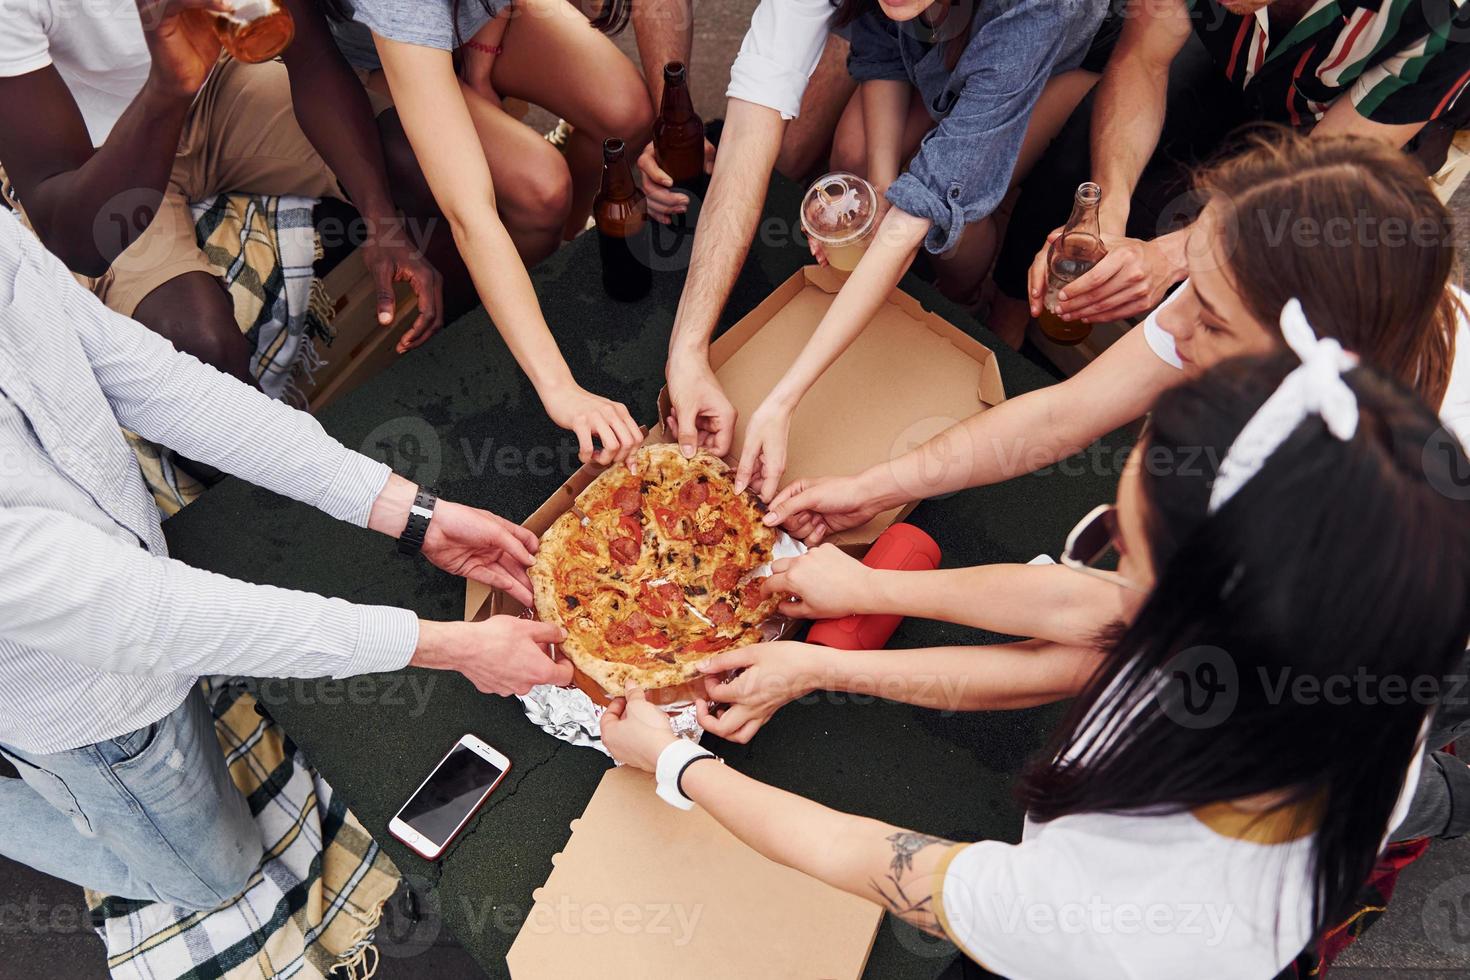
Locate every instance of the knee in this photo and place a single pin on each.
(541, 198)
(630, 119)
(218, 877)
(196, 315)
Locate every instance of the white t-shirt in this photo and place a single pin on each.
(780, 51)
(1454, 411)
(1214, 892)
(96, 45)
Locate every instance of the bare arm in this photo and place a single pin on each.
(763, 458)
(89, 205)
(435, 110)
(1048, 602)
(1128, 112)
(894, 868)
(1033, 430)
(885, 110)
(737, 195)
(665, 33)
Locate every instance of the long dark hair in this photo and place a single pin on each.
(1336, 558)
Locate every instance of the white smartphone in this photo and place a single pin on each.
(439, 809)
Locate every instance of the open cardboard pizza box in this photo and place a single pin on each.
(645, 890)
(910, 375)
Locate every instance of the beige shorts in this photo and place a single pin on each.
(240, 134)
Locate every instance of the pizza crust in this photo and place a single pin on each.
(660, 468)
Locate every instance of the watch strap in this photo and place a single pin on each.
(411, 541)
(672, 762)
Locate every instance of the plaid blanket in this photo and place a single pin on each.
(311, 908)
(263, 248)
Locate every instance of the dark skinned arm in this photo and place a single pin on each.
(334, 113)
(87, 204)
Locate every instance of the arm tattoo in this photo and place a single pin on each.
(917, 908)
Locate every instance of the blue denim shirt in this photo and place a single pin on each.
(963, 167)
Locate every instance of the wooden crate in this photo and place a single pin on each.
(362, 347)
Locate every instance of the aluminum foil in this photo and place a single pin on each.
(570, 715)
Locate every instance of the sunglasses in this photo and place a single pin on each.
(1091, 540)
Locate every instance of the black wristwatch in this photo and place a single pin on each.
(412, 539)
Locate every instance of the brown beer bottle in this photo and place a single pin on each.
(678, 133)
(1076, 250)
(621, 213)
(257, 30)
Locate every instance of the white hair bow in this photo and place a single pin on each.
(1314, 388)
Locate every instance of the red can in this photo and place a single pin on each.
(902, 547)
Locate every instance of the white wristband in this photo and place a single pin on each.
(671, 764)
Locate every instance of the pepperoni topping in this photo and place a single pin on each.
(629, 500)
(655, 640)
(631, 526)
(693, 493)
(710, 644)
(712, 534)
(587, 544)
(726, 576)
(625, 550)
(637, 622)
(752, 596)
(668, 520)
(653, 602)
(617, 634)
(721, 613)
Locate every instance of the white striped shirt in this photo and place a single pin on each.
(101, 632)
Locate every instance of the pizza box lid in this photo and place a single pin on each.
(908, 376)
(645, 890)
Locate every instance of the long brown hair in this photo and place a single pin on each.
(1350, 227)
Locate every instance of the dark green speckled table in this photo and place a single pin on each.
(459, 413)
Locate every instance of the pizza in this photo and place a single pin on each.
(652, 573)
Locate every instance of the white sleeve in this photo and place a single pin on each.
(24, 46)
(76, 593)
(1010, 908)
(175, 400)
(780, 51)
(1159, 339)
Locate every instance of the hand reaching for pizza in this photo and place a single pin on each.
(481, 546)
(763, 459)
(500, 655)
(824, 583)
(771, 676)
(636, 731)
(573, 407)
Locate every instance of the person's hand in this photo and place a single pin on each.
(810, 510)
(770, 676)
(703, 417)
(818, 252)
(824, 583)
(483, 547)
(1131, 279)
(663, 201)
(635, 731)
(389, 256)
(587, 415)
(763, 459)
(500, 655)
(181, 42)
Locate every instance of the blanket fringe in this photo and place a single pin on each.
(360, 960)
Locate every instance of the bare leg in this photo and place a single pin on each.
(194, 313)
(809, 136)
(850, 143)
(665, 32)
(1010, 317)
(555, 60)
